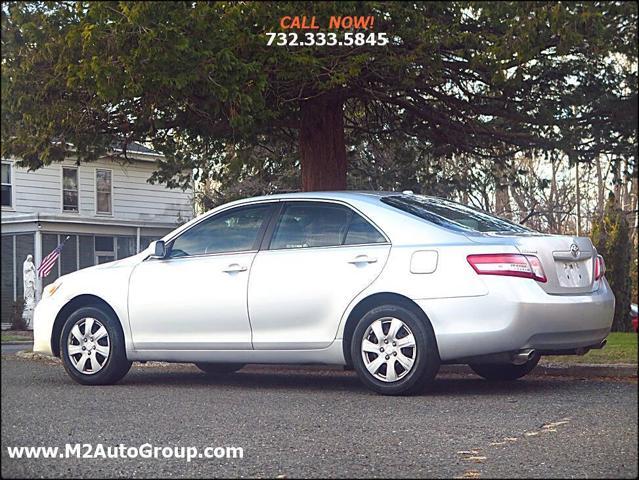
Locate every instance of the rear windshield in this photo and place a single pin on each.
(452, 215)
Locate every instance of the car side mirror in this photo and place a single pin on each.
(158, 249)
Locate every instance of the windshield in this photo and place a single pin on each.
(452, 215)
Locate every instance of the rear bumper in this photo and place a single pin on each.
(516, 315)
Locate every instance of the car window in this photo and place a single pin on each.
(452, 215)
(361, 232)
(306, 225)
(233, 231)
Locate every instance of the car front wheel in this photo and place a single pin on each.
(394, 351)
(505, 372)
(92, 347)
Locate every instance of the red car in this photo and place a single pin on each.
(633, 316)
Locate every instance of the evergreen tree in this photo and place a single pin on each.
(198, 81)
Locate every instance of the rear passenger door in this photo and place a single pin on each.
(318, 257)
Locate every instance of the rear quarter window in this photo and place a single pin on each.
(452, 215)
(361, 232)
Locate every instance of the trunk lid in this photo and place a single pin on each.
(568, 262)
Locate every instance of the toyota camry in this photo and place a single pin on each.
(390, 284)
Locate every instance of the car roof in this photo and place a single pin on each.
(344, 195)
(326, 194)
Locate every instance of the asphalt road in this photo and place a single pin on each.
(307, 422)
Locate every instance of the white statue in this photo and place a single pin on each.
(29, 281)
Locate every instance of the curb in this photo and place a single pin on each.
(591, 370)
(17, 342)
(586, 370)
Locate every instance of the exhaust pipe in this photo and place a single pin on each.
(602, 344)
(598, 346)
(523, 356)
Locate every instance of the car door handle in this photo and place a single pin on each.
(363, 259)
(234, 267)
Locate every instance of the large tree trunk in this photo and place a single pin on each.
(322, 147)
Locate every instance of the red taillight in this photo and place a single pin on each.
(600, 267)
(508, 264)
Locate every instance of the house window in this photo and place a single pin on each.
(25, 244)
(8, 280)
(49, 242)
(7, 186)
(104, 191)
(70, 189)
(15, 249)
(104, 250)
(125, 247)
(87, 251)
(69, 254)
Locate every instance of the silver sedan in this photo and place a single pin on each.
(391, 284)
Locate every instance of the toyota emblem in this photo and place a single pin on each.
(574, 250)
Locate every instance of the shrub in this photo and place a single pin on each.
(17, 322)
(611, 236)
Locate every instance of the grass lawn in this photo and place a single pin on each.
(16, 336)
(621, 348)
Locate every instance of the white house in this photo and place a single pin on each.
(106, 207)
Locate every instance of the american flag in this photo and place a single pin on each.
(48, 262)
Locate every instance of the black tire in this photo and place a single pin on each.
(426, 361)
(219, 368)
(116, 366)
(504, 372)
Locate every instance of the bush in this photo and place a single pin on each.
(17, 322)
(611, 236)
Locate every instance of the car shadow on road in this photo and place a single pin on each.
(334, 380)
(245, 379)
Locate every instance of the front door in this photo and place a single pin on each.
(195, 298)
(321, 256)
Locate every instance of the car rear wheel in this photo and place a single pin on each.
(219, 368)
(92, 347)
(394, 351)
(505, 371)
